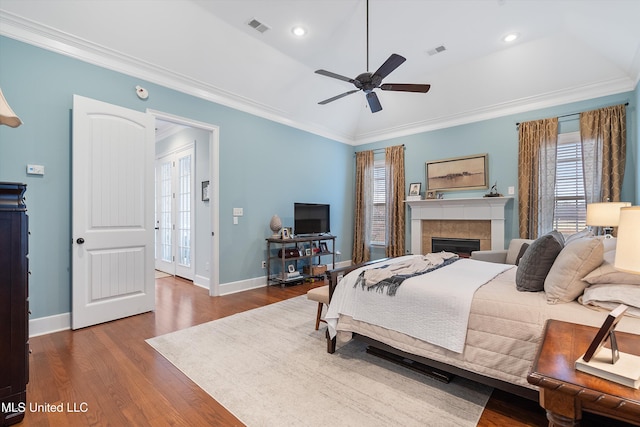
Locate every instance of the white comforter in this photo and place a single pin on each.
(433, 307)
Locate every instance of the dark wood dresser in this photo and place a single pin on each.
(14, 303)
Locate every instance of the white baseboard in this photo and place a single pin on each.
(242, 285)
(201, 281)
(62, 322)
(49, 324)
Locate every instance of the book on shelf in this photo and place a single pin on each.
(625, 371)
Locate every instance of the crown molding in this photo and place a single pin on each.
(51, 39)
(45, 37)
(551, 99)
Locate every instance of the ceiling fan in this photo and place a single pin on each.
(367, 82)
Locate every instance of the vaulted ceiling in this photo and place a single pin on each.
(567, 50)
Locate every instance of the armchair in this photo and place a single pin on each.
(505, 256)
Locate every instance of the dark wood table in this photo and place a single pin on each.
(565, 392)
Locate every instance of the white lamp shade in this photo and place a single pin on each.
(628, 246)
(605, 214)
(7, 116)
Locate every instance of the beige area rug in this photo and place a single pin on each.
(269, 367)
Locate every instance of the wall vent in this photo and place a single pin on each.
(436, 50)
(258, 26)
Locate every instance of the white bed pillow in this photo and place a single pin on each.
(610, 295)
(564, 282)
(608, 274)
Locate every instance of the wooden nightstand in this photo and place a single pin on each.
(565, 392)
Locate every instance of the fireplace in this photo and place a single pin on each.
(480, 218)
(462, 247)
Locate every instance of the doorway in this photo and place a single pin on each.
(191, 236)
(175, 211)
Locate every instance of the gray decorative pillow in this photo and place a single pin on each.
(537, 261)
(523, 249)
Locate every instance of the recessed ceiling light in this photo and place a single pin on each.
(298, 31)
(510, 37)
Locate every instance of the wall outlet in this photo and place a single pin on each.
(264, 264)
(511, 190)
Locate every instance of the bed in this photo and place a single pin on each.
(504, 324)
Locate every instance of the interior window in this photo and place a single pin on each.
(570, 208)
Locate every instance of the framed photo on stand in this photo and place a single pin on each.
(414, 188)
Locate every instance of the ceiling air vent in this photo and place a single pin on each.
(258, 26)
(436, 50)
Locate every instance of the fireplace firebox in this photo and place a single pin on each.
(462, 247)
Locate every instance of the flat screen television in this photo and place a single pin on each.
(310, 218)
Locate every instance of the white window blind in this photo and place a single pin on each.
(379, 201)
(570, 208)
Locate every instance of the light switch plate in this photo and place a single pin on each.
(511, 190)
(238, 211)
(35, 169)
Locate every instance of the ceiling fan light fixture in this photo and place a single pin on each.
(299, 31)
(511, 37)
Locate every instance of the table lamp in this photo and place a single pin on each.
(628, 245)
(606, 215)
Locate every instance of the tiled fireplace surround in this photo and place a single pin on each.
(470, 218)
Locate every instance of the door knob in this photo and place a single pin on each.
(80, 241)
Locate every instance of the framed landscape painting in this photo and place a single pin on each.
(459, 173)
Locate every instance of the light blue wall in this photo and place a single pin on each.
(499, 138)
(264, 166)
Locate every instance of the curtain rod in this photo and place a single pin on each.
(379, 150)
(573, 114)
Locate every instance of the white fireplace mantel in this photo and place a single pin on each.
(477, 208)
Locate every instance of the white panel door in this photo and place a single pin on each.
(113, 224)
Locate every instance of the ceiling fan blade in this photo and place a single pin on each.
(326, 101)
(401, 87)
(334, 75)
(389, 65)
(374, 103)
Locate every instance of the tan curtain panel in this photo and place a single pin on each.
(363, 207)
(537, 142)
(603, 134)
(394, 175)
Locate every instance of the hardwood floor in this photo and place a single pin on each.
(107, 374)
